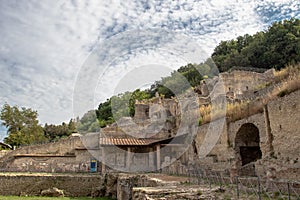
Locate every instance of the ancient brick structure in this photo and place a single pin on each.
(266, 137)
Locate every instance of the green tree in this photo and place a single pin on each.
(137, 95)
(72, 126)
(55, 132)
(22, 124)
(88, 122)
(274, 48)
(121, 105)
(104, 112)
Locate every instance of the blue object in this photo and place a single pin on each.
(93, 165)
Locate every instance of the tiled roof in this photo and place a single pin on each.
(126, 141)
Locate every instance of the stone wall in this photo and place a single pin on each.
(115, 185)
(4, 152)
(74, 185)
(67, 155)
(284, 121)
(279, 144)
(49, 164)
(215, 145)
(139, 159)
(239, 81)
(62, 146)
(285, 117)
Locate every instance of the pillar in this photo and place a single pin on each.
(103, 161)
(128, 158)
(268, 130)
(158, 156)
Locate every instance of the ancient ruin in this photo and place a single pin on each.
(253, 132)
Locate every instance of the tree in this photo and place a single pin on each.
(55, 132)
(72, 126)
(136, 95)
(89, 122)
(22, 124)
(274, 48)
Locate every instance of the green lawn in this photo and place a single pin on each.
(50, 198)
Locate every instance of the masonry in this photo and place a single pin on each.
(264, 140)
(32, 184)
(252, 146)
(66, 155)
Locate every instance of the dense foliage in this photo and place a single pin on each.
(276, 47)
(88, 123)
(178, 82)
(121, 105)
(22, 125)
(55, 132)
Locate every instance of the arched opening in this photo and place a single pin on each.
(247, 148)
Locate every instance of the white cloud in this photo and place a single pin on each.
(44, 43)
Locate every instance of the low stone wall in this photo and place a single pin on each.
(115, 185)
(4, 152)
(74, 185)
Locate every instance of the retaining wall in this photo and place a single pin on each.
(74, 185)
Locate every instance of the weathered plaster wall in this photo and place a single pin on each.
(4, 152)
(50, 164)
(60, 147)
(284, 120)
(71, 158)
(284, 140)
(239, 81)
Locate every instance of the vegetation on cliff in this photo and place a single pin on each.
(276, 47)
(286, 81)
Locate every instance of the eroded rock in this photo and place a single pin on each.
(52, 192)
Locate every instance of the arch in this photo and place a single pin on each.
(247, 148)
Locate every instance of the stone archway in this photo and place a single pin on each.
(247, 148)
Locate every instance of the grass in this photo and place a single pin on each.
(285, 82)
(51, 198)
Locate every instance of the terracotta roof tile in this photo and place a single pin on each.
(126, 141)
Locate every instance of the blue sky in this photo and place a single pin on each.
(44, 44)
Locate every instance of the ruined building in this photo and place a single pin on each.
(258, 134)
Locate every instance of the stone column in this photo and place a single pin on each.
(151, 159)
(268, 131)
(158, 156)
(103, 160)
(128, 158)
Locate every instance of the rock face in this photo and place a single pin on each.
(124, 187)
(141, 111)
(52, 192)
(182, 192)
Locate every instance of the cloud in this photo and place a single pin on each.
(273, 11)
(2, 133)
(45, 43)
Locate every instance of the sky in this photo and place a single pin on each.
(47, 46)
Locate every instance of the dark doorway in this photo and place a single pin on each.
(250, 154)
(247, 147)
